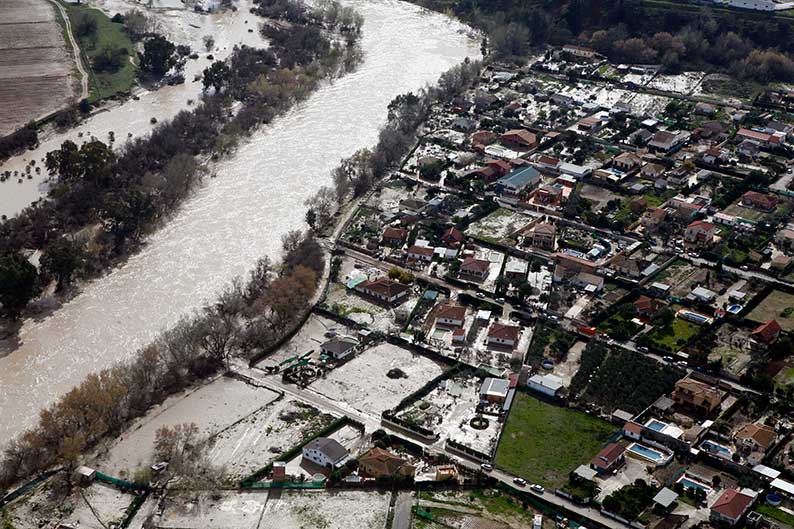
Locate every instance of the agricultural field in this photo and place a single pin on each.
(543, 443)
(777, 305)
(35, 66)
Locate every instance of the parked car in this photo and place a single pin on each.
(159, 467)
(668, 359)
(480, 295)
(537, 488)
(487, 467)
(520, 481)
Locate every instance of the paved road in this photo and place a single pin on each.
(402, 510)
(78, 57)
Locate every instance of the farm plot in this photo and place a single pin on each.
(34, 64)
(777, 305)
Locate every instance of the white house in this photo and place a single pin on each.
(547, 384)
(339, 348)
(326, 452)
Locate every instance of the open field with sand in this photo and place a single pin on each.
(35, 66)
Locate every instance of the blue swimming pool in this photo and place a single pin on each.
(735, 309)
(644, 452)
(716, 449)
(692, 483)
(655, 425)
(694, 317)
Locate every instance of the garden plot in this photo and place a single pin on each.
(363, 382)
(731, 347)
(213, 407)
(107, 502)
(446, 406)
(640, 79)
(498, 226)
(348, 509)
(683, 83)
(258, 439)
(599, 195)
(646, 103)
(212, 510)
(483, 354)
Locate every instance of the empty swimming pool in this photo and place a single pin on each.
(691, 482)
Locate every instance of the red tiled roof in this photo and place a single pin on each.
(504, 332)
(452, 234)
(632, 427)
(767, 331)
(732, 504)
(472, 264)
(608, 455)
(452, 312)
(420, 250)
(395, 233)
(383, 286)
(702, 224)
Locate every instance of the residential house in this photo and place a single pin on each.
(500, 167)
(759, 201)
(755, 437)
(463, 124)
(420, 253)
(452, 237)
(640, 137)
(575, 264)
(652, 170)
(450, 315)
(326, 452)
(501, 334)
(648, 307)
(767, 332)
(653, 219)
(384, 289)
(574, 170)
(494, 390)
(589, 282)
(748, 148)
(627, 161)
(687, 207)
(544, 162)
(609, 459)
(705, 109)
(667, 141)
(339, 348)
(730, 507)
(482, 138)
(547, 195)
(516, 270)
(696, 395)
(394, 237)
(764, 139)
(785, 238)
(542, 235)
(632, 430)
(700, 233)
(715, 156)
(518, 181)
(627, 266)
(579, 51)
(380, 463)
(473, 267)
(548, 385)
(519, 139)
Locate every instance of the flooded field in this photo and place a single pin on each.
(34, 65)
(236, 218)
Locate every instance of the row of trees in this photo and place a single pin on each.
(357, 174)
(755, 46)
(246, 318)
(130, 190)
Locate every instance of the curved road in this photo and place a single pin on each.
(78, 59)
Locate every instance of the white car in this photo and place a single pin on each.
(480, 295)
(159, 467)
(537, 489)
(487, 467)
(520, 481)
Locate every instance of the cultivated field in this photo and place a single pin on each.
(544, 443)
(34, 64)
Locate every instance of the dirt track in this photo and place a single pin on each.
(35, 67)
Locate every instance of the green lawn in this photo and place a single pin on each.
(776, 514)
(543, 443)
(108, 35)
(670, 336)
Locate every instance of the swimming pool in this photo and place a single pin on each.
(735, 308)
(691, 482)
(656, 425)
(648, 454)
(717, 449)
(694, 317)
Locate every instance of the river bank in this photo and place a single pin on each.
(235, 219)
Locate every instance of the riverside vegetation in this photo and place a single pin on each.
(103, 201)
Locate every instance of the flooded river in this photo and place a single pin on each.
(235, 218)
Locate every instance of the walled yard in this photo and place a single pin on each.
(732, 348)
(258, 439)
(363, 382)
(34, 64)
(213, 510)
(498, 226)
(316, 331)
(108, 503)
(213, 407)
(777, 305)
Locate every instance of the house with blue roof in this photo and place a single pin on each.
(518, 180)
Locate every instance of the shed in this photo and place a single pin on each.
(665, 498)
